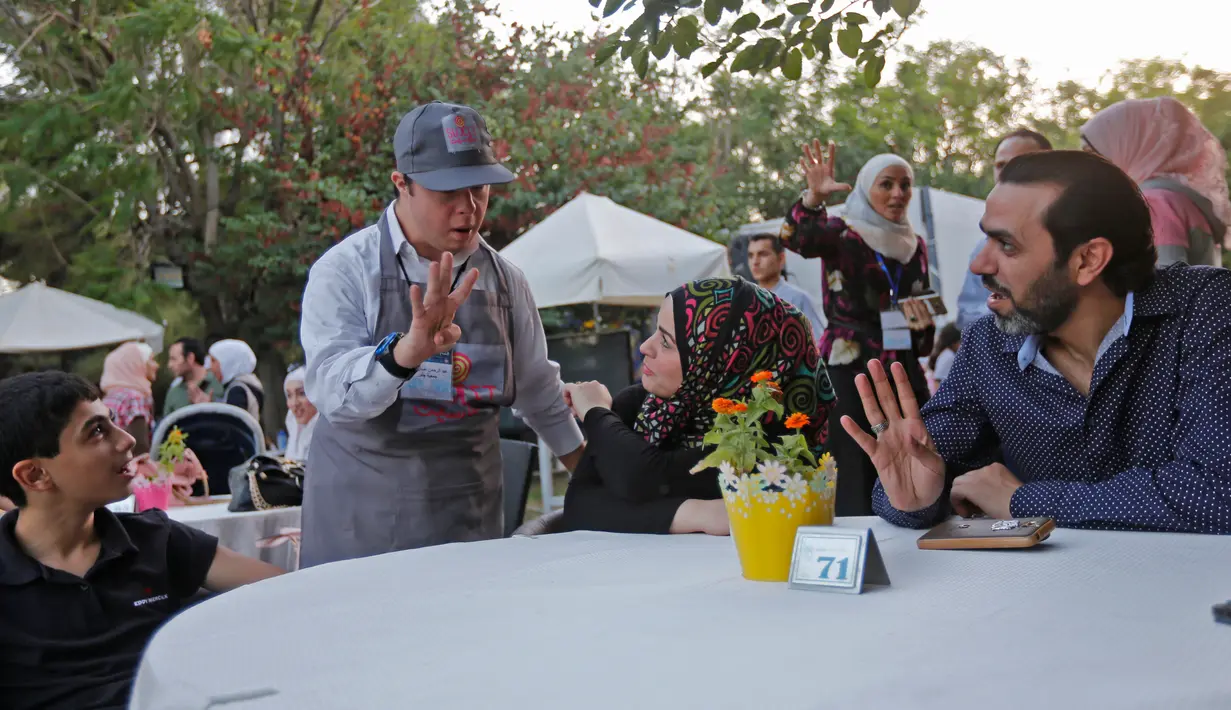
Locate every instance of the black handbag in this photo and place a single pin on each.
(264, 482)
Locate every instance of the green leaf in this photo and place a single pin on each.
(747, 23)
(746, 60)
(850, 38)
(713, 11)
(610, 8)
(805, 23)
(773, 23)
(827, 5)
(712, 67)
(663, 46)
(638, 27)
(733, 5)
(854, 18)
(641, 62)
(733, 45)
(880, 7)
(809, 50)
(792, 66)
(823, 34)
(605, 52)
(905, 8)
(872, 71)
(799, 8)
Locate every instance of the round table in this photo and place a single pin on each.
(591, 620)
(242, 531)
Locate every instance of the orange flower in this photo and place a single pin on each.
(762, 376)
(723, 405)
(738, 408)
(797, 421)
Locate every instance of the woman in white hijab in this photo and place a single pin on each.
(873, 263)
(234, 364)
(301, 416)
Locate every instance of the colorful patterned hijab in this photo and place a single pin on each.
(727, 330)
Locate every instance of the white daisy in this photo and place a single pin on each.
(774, 473)
(797, 487)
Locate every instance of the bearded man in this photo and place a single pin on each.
(1098, 390)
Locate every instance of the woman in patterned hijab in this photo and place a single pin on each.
(732, 329)
(712, 337)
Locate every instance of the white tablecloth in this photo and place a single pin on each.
(240, 531)
(596, 621)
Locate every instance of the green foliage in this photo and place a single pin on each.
(781, 38)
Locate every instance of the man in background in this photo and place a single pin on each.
(972, 301)
(767, 262)
(193, 383)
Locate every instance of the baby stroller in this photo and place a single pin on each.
(221, 435)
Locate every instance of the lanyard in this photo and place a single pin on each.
(455, 278)
(893, 282)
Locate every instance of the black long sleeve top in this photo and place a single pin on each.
(626, 484)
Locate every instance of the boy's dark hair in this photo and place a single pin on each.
(193, 347)
(36, 408)
(1039, 139)
(773, 239)
(1096, 200)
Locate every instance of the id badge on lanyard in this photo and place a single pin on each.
(894, 333)
(434, 378)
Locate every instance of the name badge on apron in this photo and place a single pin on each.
(433, 380)
(894, 333)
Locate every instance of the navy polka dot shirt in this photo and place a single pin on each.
(1148, 449)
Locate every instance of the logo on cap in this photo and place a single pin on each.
(460, 134)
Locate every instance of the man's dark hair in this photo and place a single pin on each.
(1039, 139)
(1096, 200)
(193, 347)
(36, 408)
(774, 241)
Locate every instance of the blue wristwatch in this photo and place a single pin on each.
(384, 355)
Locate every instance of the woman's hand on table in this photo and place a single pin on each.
(581, 397)
(918, 317)
(910, 469)
(818, 164)
(701, 516)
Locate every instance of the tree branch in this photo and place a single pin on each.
(57, 185)
(312, 15)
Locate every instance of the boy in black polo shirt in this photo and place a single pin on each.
(82, 589)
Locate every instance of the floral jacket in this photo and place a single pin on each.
(856, 288)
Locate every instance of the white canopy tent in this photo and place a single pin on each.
(592, 250)
(948, 223)
(39, 319)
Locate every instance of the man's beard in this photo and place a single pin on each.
(1046, 305)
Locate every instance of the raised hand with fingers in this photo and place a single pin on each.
(910, 469)
(818, 165)
(432, 330)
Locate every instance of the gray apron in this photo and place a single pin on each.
(424, 472)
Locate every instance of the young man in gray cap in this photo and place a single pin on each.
(411, 357)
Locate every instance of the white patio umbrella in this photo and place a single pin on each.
(38, 319)
(593, 250)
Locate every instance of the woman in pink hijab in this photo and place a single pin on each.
(1181, 168)
(127, 374)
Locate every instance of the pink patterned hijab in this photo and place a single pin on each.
(125, 368)
(1153, 138)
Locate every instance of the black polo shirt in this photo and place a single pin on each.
(69, 642)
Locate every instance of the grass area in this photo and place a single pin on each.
(534, 501)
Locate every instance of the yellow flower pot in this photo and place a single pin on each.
(763, 522)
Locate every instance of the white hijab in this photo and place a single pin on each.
(235, 359)
(895, 240)
(298, 436)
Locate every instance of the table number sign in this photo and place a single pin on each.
(836, 560)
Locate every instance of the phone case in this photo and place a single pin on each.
(978, 534)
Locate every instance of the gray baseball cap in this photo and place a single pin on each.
(447, 147)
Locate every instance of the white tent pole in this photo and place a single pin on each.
(545, 466)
